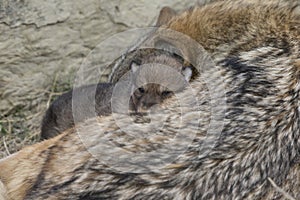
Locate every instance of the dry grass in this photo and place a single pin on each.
(20, 125)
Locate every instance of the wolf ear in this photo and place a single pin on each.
(134, 67)
(165, 15)
(187, 73)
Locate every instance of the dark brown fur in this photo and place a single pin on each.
(95, 100)
(90, 101)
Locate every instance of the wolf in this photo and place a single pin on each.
(255, 49)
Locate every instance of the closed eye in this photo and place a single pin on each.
(141, 90)
(166, 93)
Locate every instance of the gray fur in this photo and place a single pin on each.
(258, 68)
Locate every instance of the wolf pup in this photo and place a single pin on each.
(255, 47)
(95, 100)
